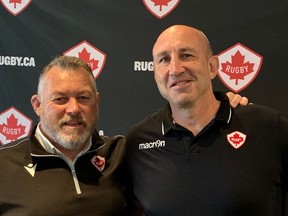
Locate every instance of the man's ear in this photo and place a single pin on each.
(35, 101)
(214, 66)
(97, 96)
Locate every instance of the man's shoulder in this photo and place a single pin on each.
(262, 116)
(14, 151)
(257, 110)
(15, 145)
(114, 140)
(151, 119)
(113, 144)
(146, 129)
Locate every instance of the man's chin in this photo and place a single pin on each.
(71, 132)
(74, 138)
(72, 143)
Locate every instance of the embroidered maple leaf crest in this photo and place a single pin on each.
(236, 139)
(98, 162)
(161, 3)
(85, 56)
(15, 2)
(237, 69)
(11, 130)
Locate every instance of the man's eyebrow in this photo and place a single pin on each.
(187, 49)
(59, 92)
(181, 50)
(160, 54)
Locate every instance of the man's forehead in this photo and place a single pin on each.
(177, 38)
(180, 49)
(183, 43)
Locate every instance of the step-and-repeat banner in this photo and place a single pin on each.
(115, 37)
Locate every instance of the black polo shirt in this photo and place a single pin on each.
(237, 165)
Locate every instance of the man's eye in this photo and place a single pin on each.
(164, 59)
(83, 98)
(186, 55)
(60, 100)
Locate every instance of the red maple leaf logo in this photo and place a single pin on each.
(12, 131)
(161, 3)
(15, 2)
(98, 162)
(236, 139)
(85, 56)
(237, 69)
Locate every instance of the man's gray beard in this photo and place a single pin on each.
(71, 141)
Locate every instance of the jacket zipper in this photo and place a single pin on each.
(72, 168)
(75, 179)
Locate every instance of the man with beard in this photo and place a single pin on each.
(61, 169)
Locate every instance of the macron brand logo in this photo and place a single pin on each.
(150, 145)
(31, 168)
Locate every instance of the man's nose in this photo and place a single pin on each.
(176, 67)
(73, 106)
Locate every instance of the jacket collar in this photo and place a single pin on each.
(37, 149)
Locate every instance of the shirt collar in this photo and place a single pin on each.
(47, 145)
(223, 114)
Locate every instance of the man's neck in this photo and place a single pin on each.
(196, 116)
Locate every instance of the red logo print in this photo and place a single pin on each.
(90, 54)
(15, 7)
(239, 66)
(236, 139)
(98, 162)
(161, 8)
(13, 125)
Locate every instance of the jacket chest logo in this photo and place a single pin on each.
(98, 162)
